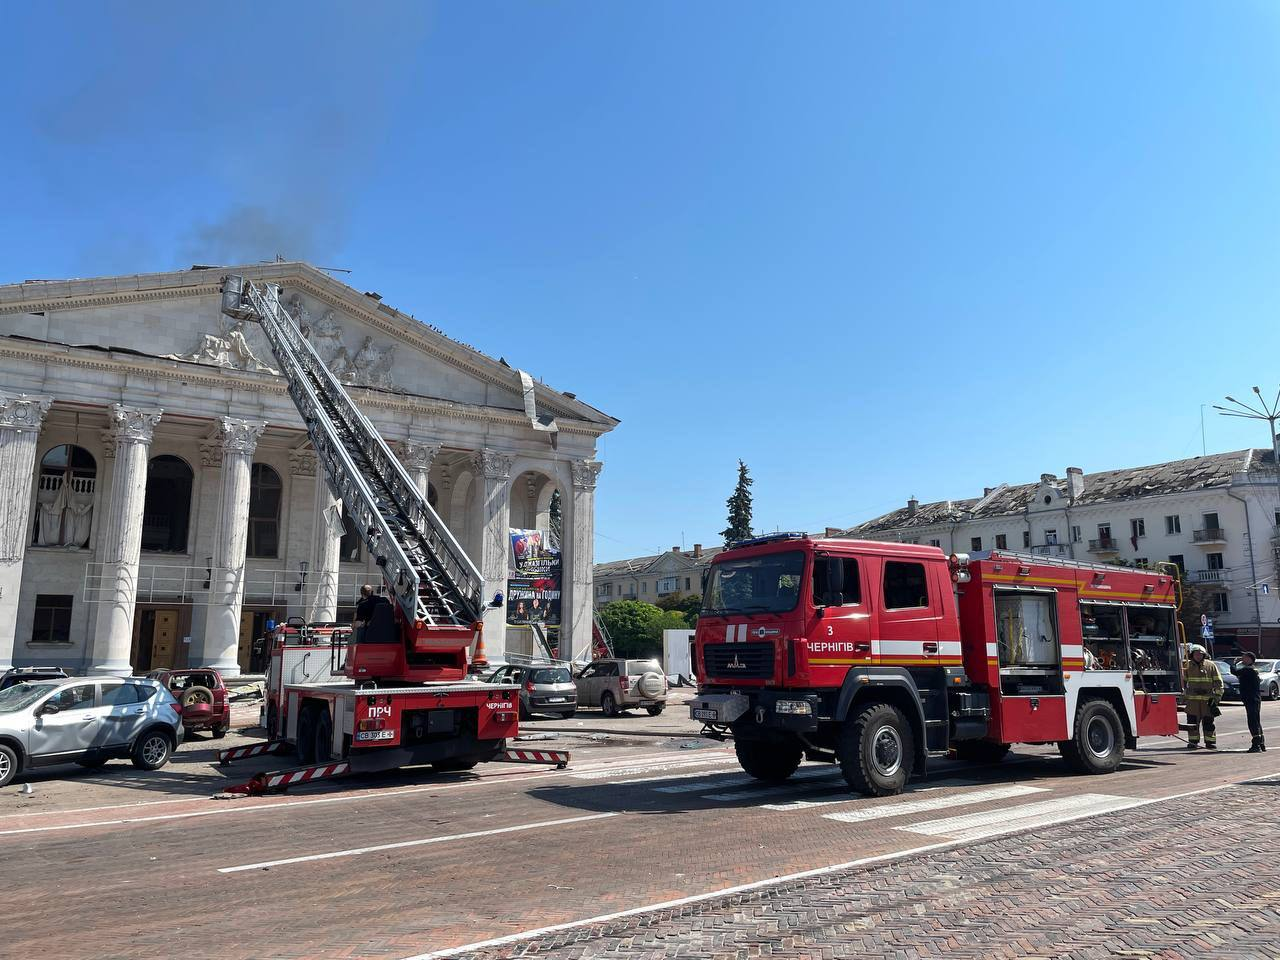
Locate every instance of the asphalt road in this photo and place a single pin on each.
(409, 863)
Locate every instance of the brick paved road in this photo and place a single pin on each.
(1190, 878)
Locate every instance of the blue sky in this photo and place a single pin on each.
(874, 250)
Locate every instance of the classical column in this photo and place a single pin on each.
(578, 556)
(20, 419)
(494, 472)
(130, 431)
(322, 578)
(221, 640)
(417, 456)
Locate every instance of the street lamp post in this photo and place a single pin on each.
(1268, 413)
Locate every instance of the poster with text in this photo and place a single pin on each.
(533, 578)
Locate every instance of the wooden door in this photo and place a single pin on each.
(164, 639)
(247, 620)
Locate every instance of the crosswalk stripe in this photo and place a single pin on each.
(990, 823)
(882, 811)
(605, 773)
(805, 773)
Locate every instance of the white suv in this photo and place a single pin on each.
(87, 720)
(617, 685)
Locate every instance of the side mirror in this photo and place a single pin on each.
(49, 708)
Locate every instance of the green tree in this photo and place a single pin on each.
(687, 604)
(636, 627)
(739, 508)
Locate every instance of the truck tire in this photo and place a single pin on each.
(876, 750)
(981, 751)
(772, 762)
(306, 738)
(323, 751)
(1098, 744)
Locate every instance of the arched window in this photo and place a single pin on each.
(264, 511)
(166, 517)
(64, 497)
(349, 545)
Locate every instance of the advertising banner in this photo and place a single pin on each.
(533, 578)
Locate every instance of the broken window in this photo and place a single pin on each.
(166, 517)
(1002, 541)
(64, 497)
(264, 511)
(975, 544)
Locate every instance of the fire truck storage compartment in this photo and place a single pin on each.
(1027, 641)
(425, 726)
(1157, 714)
(1153, 647)
(1033, 719)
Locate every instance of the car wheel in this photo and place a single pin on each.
(323, 751)
(151, 750)
(876, 750)
(219, 732)
(770, 761)
(655, 710)
(1273, 692)
(9, 764)
(1098, 744)
(569, 715)
(608, 705)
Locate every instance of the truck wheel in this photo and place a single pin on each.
(1098, 744)
(981, 751)
(324, 735)
(9, 764)
(876, 751)
(608, 705)
(772, 762)
(306, 736)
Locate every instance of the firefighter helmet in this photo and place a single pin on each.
(1196, 648)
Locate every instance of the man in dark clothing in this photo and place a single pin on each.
(1251, 694)
(365, 608)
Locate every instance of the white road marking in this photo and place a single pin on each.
(357, 851)
(605, 773)
(754, 885)
(881, 811)
(729, 781)
(807, 773)
(678, 775)
(991, 823)
(793, 805)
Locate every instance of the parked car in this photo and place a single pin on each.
(1268, 677)
(1230, 682)
(547, 690)
(28, 674)
(202, 696)
(617, 685)
(87, 720)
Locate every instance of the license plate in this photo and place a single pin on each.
(555, 699)
(367, 735)
(704, 715)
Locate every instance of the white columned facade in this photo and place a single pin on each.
(220, 643)
(130, 430)
(417, 457)
(20, 420)
(493, 469)
(578, 557)
(322, 578)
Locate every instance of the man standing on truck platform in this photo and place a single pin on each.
(1251, 694)
(368, 602)
(1204, 690)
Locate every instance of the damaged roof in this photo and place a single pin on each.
(639, 565)
(1177, 476)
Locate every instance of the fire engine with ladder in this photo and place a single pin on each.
(408, 694)
(880, 656)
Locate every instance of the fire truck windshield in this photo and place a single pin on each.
(767, 584)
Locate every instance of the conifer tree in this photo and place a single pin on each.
(739, 508)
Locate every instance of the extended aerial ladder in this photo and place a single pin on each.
(435, 586)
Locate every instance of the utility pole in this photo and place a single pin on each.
(1267, 413)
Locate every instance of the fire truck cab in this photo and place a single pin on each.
(877, 656)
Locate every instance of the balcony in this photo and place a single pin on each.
(1209, 535)
(1051, 549)
(1104, 545)
(1210, 576)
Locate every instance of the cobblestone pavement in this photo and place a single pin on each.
(1188, 878)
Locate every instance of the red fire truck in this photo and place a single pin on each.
(877, 656)
(400, 689)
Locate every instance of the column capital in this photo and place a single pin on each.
(302, 462)
(131, 424)
(239, 436)
(417, 454)
(23, 412)
(585, 473)
(493, 465)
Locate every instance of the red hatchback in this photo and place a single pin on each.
(202, 698)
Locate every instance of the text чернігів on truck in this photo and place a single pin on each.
(878, 656)
(406, 696)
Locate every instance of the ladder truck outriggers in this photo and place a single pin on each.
(408, 695)
(879, 656)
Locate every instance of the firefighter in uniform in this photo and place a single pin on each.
(1251, 694)
(1204, 690)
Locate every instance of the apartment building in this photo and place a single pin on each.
(650, 578)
